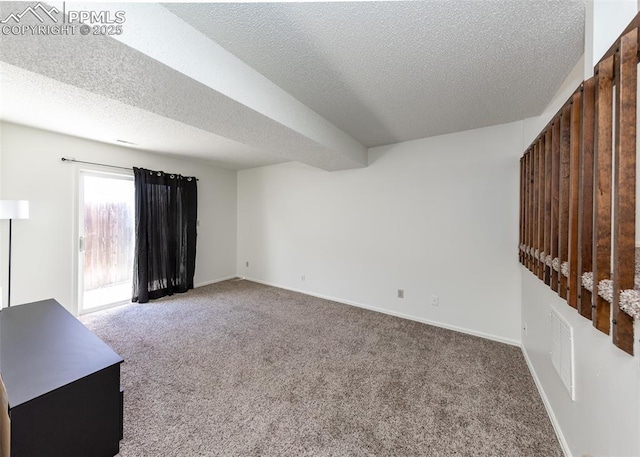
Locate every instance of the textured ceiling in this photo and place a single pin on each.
(386, 72)
(29, 99)
(249, 84)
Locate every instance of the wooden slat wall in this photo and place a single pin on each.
(585, 215)
(625, 185)
(578, 192)
(602, 157)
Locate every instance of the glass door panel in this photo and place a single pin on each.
(107, 240)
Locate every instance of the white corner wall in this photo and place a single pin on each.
(604, 419)
(44, 245)
(436, 216)
(606, 19)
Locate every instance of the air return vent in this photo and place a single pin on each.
(562, 351)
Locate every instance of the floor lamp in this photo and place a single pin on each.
(12, 209)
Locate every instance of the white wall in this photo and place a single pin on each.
(44, 246)
(534, 125)
(605, 22)
(605, 418)
(3, 243)
(432, 216)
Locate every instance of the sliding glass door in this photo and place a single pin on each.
(106, 244)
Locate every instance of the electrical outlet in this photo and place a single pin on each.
(303, 277)
(400, 293)
(435, 301)
(247, 264)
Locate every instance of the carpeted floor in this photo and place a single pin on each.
(242, 369)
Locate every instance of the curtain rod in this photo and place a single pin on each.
(64, 159)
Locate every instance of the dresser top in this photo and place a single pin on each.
(44, 347)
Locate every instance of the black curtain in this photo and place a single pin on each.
(165, 251)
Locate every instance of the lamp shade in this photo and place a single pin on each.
(14, 209)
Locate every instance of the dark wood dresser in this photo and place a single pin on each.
(63, 384)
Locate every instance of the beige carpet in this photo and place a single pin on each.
(242, 369)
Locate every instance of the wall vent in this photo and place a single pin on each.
(562, 351)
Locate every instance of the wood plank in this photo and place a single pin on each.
(563, 197)
(547, 201)
(524, 207)
(541, 177)
(530, 220)
(585, 211)
(602, 190)
(521, 235)
(534, 203)
(555, 182)
(527, 212)
(574, 170)
(624, 190)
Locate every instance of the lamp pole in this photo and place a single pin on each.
(9, 284)
(12, 209)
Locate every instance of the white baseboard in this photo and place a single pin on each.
(207, 283)
(554, 420)
(393, 313)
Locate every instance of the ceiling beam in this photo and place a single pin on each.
(163, 65)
